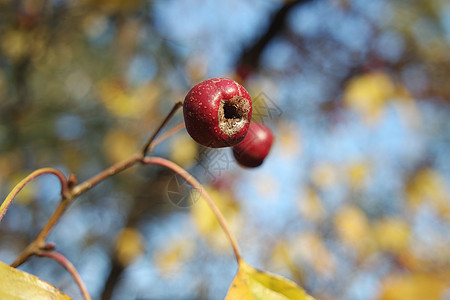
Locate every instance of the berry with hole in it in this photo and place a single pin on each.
(217, 112)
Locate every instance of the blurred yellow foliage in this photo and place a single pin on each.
(122, 102)
(392, 234)
(183, 150)
(119, 145)
(250, 283)
(357, 173)
(15, 44)
(367, 94)
(310, 206)
(18, 44)
(287, 137)
(129, 246)
(115, 6)
(354, 229)
(310, 246)
(9, 163)
(416, 286)
(206, 222)
(173, 254)
(428, 186)
(324, 175)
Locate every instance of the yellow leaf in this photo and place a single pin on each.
(171, 256)
(311, 248)
(250, 283)
(15, 44)
(124, 102)
(354, 229)
(310, 206)
(119, 145)
(429, 186)
(413, 287)
(183, 150)
(351, 224)
(367, 94)
(19, 285)
(289, 139)
(358, 172)
(324, 175)
(129, 246)
(392, 234)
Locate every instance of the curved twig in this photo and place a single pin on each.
(70, 268)
(23, 183)
(194, 183)
(146, 148)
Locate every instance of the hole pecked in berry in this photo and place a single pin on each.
(233, 114)
(230, 111)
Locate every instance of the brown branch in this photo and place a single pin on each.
(196, 185)
(250, 57)
(70, 268)
(38, 244)
(163, 123)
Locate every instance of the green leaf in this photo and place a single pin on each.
(19, 285)
(250, 283)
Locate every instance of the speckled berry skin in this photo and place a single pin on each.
(252, 151)
(217, 112)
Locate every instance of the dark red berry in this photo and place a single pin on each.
(217, 112)
(252, 151)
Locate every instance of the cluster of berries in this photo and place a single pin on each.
(217, 113)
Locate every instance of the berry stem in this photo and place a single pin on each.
(196, 185)
(163, 123)
(69, 193)
(24, 182)
(70, 268)
(166, 135)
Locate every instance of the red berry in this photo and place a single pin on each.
(252, 151)
(217, 112)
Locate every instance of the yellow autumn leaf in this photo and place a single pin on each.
(289, 139)
(15, 44)
(114, 6)
(392, 234)
(124, 102)
(351, 224)
(18, 285)
(129, 246)
(119, 145)
(367, 94)
(170, 257)
(427, 185)
(358, 173)
(354, 229)
(311, 248)
(250, 283)
(324, 175)
(416, 286)
(310, 205)
(183, 150)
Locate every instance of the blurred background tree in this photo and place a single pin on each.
(353, 202)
